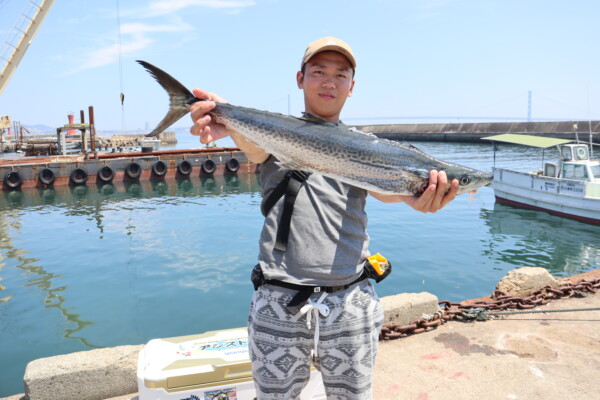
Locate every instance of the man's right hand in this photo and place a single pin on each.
(204, 125)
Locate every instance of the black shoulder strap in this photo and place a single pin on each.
(297, 179)
(275, 195)
(289, 186)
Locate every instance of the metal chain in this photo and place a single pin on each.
(499, 302)
(481, 314)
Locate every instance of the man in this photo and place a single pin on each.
(322, 254)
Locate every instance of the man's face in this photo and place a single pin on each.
(327, 83)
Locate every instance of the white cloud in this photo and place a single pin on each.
(137, 36)
(110, 54)
(170, 6)
(136, 28)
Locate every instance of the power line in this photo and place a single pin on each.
(122, 95)
(560, 103)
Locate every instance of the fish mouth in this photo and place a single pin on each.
(471, 182)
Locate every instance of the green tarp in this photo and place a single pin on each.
(527, 140)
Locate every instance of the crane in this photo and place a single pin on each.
(13, 50)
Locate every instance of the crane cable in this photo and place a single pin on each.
(122, 95)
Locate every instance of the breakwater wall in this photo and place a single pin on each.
(473, 132)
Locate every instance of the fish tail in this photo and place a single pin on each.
(180, 98)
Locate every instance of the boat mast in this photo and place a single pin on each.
(590, 125)
(591, 141)
(13, 52)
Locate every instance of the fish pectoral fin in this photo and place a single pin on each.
(290, 165)
(314, 118)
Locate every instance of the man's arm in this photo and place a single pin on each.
(433, 199)
(209, 130)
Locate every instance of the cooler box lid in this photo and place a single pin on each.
(208, 359)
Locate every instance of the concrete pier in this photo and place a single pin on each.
(537, 356)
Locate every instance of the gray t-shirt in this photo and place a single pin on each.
(328, 240)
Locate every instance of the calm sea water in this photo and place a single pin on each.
(89, 267)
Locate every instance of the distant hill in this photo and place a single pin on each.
(40, 129)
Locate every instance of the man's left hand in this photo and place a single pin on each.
(433, 199)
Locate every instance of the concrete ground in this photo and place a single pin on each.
(528, 357)
(518, 357)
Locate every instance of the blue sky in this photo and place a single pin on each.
(425, 61)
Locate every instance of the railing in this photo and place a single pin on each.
(546, 184)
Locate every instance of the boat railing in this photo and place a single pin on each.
(545, 184)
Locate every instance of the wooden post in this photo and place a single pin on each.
(92, 130)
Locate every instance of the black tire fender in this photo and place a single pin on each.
(209, 166)
(232, 165)
(79, 176)
(13, 179)
(133, 170)
(160, 168)
(47, 176)
(105, 174)
(184, 167)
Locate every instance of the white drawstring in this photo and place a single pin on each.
(316, 307)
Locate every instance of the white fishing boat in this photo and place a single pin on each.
(569, 187)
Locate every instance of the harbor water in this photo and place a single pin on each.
(97, 266)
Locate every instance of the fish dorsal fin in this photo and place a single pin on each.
(315, 118)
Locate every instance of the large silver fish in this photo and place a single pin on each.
(322, 147)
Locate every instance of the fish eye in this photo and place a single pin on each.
(464, 180)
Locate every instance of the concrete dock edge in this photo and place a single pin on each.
(111, 373)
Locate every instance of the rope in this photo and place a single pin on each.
(122, 95)
(481, 314)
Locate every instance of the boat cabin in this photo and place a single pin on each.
(569, 187)
(574, 164)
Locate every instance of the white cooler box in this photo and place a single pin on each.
(213, 365)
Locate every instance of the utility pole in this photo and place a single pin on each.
(529, 108)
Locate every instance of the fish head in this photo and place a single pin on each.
(468, 179)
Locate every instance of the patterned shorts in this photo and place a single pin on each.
(280, 343)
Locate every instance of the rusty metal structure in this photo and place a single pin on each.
(498, 305)
(105, 168)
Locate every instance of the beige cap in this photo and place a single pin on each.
(328, 43)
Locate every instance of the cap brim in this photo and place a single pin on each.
(335, 48)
